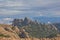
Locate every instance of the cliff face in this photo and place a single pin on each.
(22, 22)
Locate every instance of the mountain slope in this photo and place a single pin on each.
(36, 29)
(57, 26)
(7, 33)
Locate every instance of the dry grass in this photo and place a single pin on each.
(14, 36)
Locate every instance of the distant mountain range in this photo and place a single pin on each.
(47, 19)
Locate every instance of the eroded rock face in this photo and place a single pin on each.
(17, 22)
(23, 34)
(27, 21)
(22, 22)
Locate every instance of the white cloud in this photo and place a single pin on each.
(39, 14)
(49, 22)
(56, 13)
(13, 7)
(12, 3)
(6, 20)
(9, 12)
(41, 2)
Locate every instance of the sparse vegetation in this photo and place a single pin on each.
(41, 31)
(36, 29)
(2, 35)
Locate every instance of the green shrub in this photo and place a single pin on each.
(41, 31)
(2, 35)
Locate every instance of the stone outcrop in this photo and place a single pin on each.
(17, 22)
(23, 22)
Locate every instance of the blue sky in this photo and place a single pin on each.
(31, 8)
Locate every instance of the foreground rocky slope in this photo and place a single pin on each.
(7, 32)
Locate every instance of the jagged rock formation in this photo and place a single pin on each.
(34, 27)
(17, 22)
(23, 22)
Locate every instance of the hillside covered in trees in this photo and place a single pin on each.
(35, 28)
